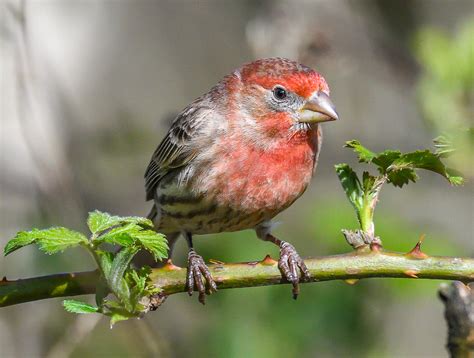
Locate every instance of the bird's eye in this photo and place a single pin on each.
(280, 93)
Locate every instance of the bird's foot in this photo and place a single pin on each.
(195, 280)
(290, 265)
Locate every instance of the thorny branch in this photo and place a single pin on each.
(360, 264)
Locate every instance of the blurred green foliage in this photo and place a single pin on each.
(446, 87)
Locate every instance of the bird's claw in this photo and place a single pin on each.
(290, 265)
(197, 276)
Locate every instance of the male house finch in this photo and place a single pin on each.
(236, 157)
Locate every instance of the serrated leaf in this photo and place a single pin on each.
(137, 281)
(351, 185)
(74, 306)
(424, 159)
(384, 159)
(153, 242)
(131, 233)
(21, 239)
(99, 221)
(402, 177)
(400, 168)
(364, 154)
(121, 235)
(51, 241)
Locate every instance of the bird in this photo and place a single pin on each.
(236, 157)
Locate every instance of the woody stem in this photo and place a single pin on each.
(350, 266)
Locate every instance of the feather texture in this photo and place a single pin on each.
(231, 160)
(180, 145)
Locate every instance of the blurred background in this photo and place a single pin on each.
(88, 89)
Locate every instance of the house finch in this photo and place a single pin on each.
(236, 157)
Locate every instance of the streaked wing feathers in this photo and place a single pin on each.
(178, 147)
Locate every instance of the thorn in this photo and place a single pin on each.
(351, 281)
(268, 261)
(416, 252)
(411, 273)
(169, 266)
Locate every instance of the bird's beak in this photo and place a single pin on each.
(318, 108)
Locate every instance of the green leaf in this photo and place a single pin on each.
(368, 182)
(50, 240)
(116, 279)
(402, 176)
(351, 185)
(105, 261)
(74, 306)
(21, 239)
(384, 159)
(153, 242)
(138, 282)
(137, 279)
(117, 316)
(141, 285)
(131, 234)
(400, 168)
(99, 221)
(121, 235)
(117, 312)
(371, 188)
(364, 154)
(424, 159)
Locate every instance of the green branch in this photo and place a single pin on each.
(123, 292)
(171, 280)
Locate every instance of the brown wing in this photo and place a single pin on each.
(179, 146)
